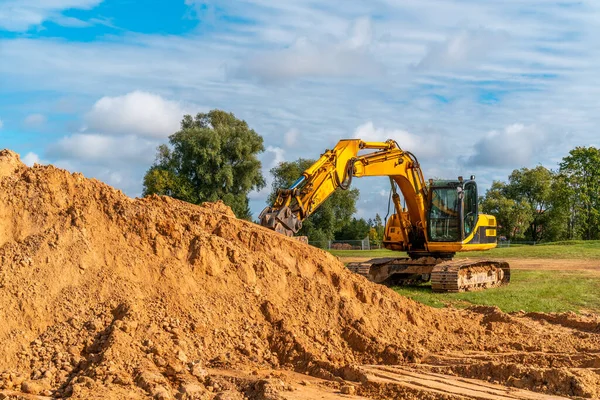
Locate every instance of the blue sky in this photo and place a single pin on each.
(470, 87)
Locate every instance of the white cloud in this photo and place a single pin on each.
(290, 138)
(70, 22)
(20, 15)
(423, 146)
(104, 150)
(327, 56)
(136, 113)
(462, 49)
(516, 146)
(35, 120)
(32, 158)
(1, 124)
(274, 156)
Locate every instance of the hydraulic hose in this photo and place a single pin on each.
(347, 181)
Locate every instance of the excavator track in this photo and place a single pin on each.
(446, 276)
(465, 275)
(396, 271)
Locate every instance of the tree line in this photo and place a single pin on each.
(540, 204)
(214, 156)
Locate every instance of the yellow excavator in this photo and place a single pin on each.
(439, 219)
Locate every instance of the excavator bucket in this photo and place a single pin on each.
(281, 220)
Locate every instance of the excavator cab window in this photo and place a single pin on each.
(445, 214)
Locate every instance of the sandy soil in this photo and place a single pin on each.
(104, 296)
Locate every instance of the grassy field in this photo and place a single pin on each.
(573, 249)
(539, 291)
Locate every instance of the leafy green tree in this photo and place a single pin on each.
(377, 230)
(334, 213)
(538, 190)
(533, 186)
(212, 157)
(513, 216)
(373, 236)
(357, 229)
(581, 169)
(379, 226)
(560, 221)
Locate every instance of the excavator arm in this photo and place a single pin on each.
(335, 169)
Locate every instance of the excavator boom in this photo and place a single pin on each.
(335, 169)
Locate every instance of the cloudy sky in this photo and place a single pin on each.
(471, 87)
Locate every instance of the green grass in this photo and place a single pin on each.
(571, 249)
(571, 243)
(549, 250)
(367, 253)
(531, 291)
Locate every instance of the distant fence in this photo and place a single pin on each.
(364, 244)
(509, 243)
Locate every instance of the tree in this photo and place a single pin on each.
(357, 229)
(379, 226)
(560, 221)
(538, 190)
(373, 236)
(534, 187)
(334, 213)
(376, 231)
(212, 157)
(581, 169)
(513, 216)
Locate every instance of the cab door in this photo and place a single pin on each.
(469, 209)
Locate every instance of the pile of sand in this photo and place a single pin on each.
(104, 295)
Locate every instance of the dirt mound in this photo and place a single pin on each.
(107, 296)
(590, 323)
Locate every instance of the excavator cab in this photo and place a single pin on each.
(452, 215)
(453, 219)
